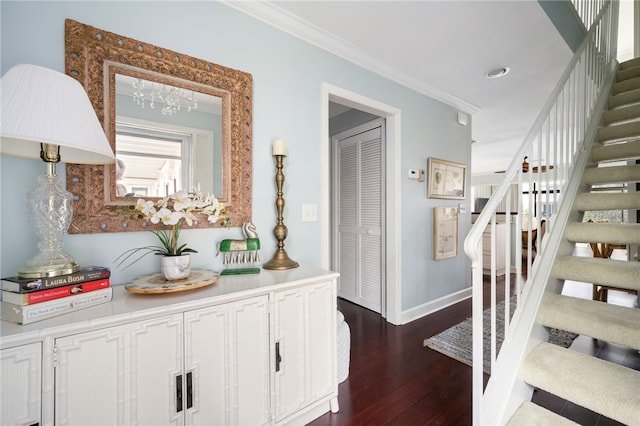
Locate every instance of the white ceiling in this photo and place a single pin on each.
(443, 49)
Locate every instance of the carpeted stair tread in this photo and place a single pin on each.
(630, 63)
(601, 386)
(618, 151)
(591, 201)
(613, 174)
(604, 321)
(626, 85)
(619, 131)
(626, 98)
(612, 233)
(627, 73)
(530, 414)
(621, 114)
(613, 273)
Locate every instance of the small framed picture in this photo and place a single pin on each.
(446, 179)
(445, 232)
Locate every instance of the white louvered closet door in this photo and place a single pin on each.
(358, 256)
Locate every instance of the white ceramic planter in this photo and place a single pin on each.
(175, 267)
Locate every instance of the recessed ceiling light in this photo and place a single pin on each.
(498, 72)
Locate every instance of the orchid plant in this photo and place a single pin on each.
(173, 211)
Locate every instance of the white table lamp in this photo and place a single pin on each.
(47, 114)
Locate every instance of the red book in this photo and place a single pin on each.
(24, 299)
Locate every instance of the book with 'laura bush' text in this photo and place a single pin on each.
(84, 274)
(53, 293)
(53, 308)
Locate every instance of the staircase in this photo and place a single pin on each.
(601, 386)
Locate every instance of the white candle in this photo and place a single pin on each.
(279, 147)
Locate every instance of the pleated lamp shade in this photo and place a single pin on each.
(40, 105)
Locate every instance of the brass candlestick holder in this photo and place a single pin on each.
(280, 258)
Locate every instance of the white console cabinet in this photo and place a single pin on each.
(20, 384)
(305, 336)
(257, 349)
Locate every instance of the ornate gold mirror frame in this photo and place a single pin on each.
(93, 56)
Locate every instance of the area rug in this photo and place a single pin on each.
(456, 342)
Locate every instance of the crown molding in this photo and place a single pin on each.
(283, 20)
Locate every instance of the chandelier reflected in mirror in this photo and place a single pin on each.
(170, 99)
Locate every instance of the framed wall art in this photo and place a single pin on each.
(446, 179)
(445, 232)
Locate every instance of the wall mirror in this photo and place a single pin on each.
(175, 122)
(163, 136)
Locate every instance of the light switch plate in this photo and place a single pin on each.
(309, 213)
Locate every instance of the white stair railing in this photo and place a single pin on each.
(527, 200)
(588, 10)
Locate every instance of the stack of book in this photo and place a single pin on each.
(29, 300)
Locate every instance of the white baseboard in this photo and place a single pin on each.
(434, 306)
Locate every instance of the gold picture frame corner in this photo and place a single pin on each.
(446, 179)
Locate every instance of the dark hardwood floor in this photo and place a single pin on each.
(394, 380)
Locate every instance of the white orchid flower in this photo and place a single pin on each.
(202, 203)
(190, 216)
(181, 200)
(167, 217)
(214, 217)
(173, 219)
(145, 207)
(212, 206)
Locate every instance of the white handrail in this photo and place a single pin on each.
(551, 148)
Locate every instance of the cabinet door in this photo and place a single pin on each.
(21, 385)
(304, 324)
(121, 375)
(227, 356)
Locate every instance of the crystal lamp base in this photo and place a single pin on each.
(50, 208)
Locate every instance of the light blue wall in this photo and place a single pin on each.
(287, 75)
